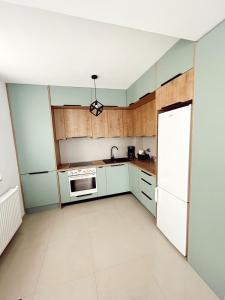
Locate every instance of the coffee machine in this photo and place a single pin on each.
(131, 152)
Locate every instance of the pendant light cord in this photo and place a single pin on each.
(95, 89)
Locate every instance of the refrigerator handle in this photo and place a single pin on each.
(156, 194)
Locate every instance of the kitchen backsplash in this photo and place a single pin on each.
(85, 149)
(150, 142)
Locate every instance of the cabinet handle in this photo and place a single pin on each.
(146, 181)
(174, 77)
(146, 173)
(117, 165)
(84, 195)
(146, 195)
(75, 105)
(34, 173)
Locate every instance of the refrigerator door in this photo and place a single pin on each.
(172, 219)
(173, 151)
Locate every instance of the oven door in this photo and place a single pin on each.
(82, 184)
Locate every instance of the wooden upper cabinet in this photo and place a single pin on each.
(150, 118)
(115, 122)
(59, 124)
(77, 123)
(138, 115)
(99, 125)
(180, 89)
(128, 126)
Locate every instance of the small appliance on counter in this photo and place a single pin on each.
(143, 155)
(131, 152)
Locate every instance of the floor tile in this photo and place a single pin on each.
(20, 277)
(131, 280)
(111, 246)
(82, 289)
(66, 260)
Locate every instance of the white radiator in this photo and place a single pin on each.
(10, 216)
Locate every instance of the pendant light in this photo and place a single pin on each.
(96, 107)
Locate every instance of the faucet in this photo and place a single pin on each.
(112, 156)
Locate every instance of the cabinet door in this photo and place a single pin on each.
(32, 124)
(179, 59)
(59, 124)
(40, 189)
(61, 95)
(115, 123)
(64, 187)
(134, 181)
(149, 118)
(117, 179)
(101, 181)
(180, 89)
(99, 125)
(77, 123)
(138, 115)
(128, 129)
(111, 97)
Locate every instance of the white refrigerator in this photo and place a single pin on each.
(173, 175)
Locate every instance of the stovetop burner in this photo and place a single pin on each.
(81, 164)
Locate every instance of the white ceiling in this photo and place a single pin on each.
(64, 42)
(187, 19)
(42, 47)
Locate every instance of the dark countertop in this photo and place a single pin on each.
(146, 165)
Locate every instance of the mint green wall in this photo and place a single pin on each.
(207, 209)
(178, 59)
(62, 95)
(65, 95)
(111, 96)
(143, 85)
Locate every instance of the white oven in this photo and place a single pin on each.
(82, 181)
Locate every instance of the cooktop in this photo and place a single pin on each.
(81, 164)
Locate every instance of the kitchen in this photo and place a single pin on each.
(140, 152)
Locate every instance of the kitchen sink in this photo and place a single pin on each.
(116, 160)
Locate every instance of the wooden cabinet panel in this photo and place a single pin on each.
(128, 127)
(99, 125)
(149, 118)
(59, 124)
(145, 119)
(138, 121)
(77, 123)
(115, 123)
(180, 89)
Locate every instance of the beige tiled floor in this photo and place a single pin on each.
(102, 250)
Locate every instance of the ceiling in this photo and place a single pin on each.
(187, 19)
(63, 42)
(42, 47)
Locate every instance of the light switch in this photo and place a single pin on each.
(0, 177)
